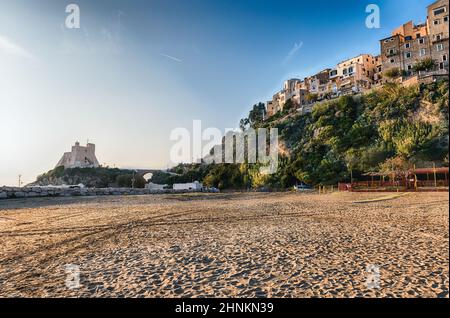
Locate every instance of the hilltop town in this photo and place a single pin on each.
(411, 54)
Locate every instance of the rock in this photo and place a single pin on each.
(207, 260)
(175, 249)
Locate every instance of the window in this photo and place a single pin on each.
(423, 52)
(440, 47)
(438, 37)
(409, 67)
(407, 45)
(391, 51)
(444, 58)
(441, 65)
(408, 55)
(344, 71)
(439, 10)
(417, 35)
(446, 18)
(436, 22)
(421, 41)
(350, 70)
(408, 38)
(392, 61)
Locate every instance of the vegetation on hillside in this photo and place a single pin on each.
(101, 177)
(351, 134)
(387, 129)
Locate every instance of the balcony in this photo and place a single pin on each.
(441, 39)
(391, 54)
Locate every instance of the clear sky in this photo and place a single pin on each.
(137, 69)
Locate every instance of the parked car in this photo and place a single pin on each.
(302, 187)
(211, 190)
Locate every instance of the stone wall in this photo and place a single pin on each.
(35, 192)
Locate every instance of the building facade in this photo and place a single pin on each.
(356, 74)
(410, 43)
(438, 32)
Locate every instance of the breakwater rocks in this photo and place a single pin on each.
(35, 192)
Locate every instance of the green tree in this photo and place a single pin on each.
(426, 65)
(312, 97)
(394, 73)
(255, 117)
(126, 181)
(289, 105)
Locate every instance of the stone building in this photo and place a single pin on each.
(378, 75)
(407, 45)
(438, 31)
(334, 83)
(290, 91)
(270, 108)
(299, 97)
(412, 43)
(356, 74)
(79, 157)
(318, 83)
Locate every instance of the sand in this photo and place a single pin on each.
(226, 245)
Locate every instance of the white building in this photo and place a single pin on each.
(157, 187)
(188, 186)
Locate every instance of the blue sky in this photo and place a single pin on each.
(135, 70)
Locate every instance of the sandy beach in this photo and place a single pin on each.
(226, 245)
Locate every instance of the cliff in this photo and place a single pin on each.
(348, 135)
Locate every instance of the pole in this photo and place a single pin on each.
(20, 180)
(434, 172)
(415, 178)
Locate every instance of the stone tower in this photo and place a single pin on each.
(79, 157)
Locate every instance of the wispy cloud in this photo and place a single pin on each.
(172, 58)
(292, 52)
(103, 40)
(9, 47)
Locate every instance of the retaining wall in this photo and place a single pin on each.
(35, 192)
